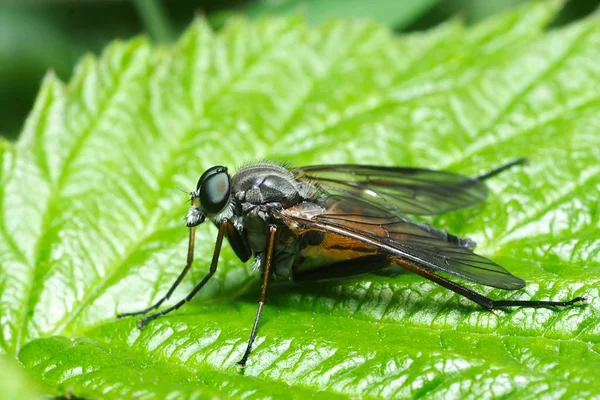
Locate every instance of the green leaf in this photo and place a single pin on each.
(91, 217)
(14, 380)
(396, 14)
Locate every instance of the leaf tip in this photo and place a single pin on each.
(50, 80)
(51, 92)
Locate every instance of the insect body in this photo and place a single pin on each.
(337, 221)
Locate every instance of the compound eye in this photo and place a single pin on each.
(210, 172)
(214, 190)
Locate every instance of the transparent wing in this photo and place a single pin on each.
(396, 236)
(407, 190)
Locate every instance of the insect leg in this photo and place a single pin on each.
(502, 168)
(476, 297)
(263, 293)
(213, 268)
(188, 264)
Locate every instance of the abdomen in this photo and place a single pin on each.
(318, 249)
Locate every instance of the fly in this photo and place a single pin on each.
(337, 221)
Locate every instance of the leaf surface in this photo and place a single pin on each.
(91, 220)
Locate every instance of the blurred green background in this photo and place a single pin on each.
(53, 34)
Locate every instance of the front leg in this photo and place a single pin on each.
(188, 264)
(225, 225)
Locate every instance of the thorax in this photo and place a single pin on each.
(260, 192)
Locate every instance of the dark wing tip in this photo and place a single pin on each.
(510, 283)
